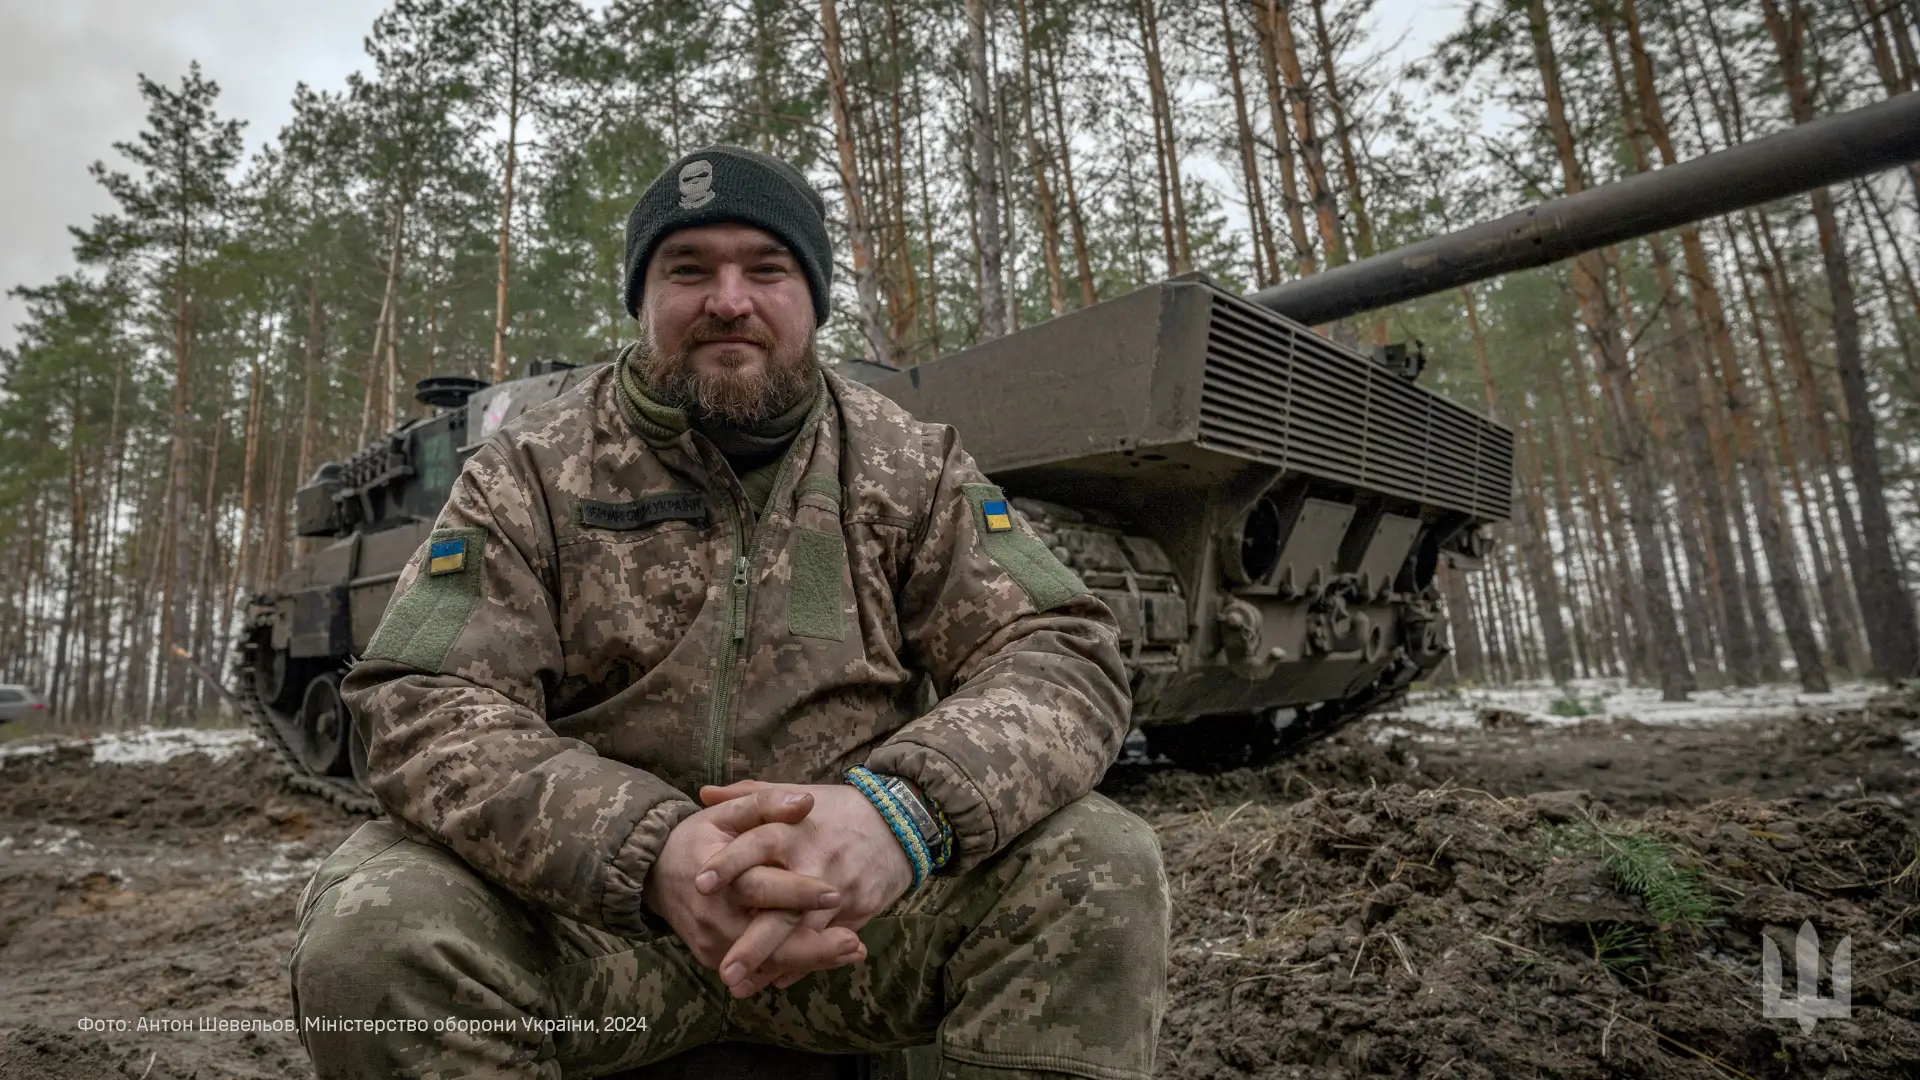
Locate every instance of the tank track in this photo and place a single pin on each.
(1092, 547)
(272, 727)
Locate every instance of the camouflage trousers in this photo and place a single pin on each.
(1048, 959)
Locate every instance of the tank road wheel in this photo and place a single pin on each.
(357, 756)
(277, 677)
(325, 730)
(1214, 743)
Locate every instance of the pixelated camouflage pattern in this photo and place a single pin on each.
(1047, 958)
(571, 722)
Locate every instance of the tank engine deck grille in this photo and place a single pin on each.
(1278, 393)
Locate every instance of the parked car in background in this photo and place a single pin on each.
(19, 702)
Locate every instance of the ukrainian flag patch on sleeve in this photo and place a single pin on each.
(447, 556)
(998, 519)
(1025, 559)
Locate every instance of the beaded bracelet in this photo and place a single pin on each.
(896, 817)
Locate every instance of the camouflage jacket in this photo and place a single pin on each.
(596, 627)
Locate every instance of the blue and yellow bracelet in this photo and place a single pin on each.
(927, 854)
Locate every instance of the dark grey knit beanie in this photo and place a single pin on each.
(732, 184)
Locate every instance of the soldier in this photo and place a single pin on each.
(716, 574)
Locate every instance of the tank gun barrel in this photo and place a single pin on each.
(1827, 151)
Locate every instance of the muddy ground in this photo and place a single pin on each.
(1507, 897)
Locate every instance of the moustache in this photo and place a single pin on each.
(745, 327)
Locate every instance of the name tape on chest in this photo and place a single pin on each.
(640, 513)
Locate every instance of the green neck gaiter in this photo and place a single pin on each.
(754, 453)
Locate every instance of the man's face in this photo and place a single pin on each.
(726, 324)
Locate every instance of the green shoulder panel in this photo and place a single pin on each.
(1025, 559)
(422, 624)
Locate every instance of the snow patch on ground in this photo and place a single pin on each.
(290, 866)
(1386, 733)
(151, 746)
(1910, 739)
(1605, 699)
(144, 746)
(32, 750)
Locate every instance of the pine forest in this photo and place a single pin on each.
(1717, 429)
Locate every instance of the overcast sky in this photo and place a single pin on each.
(68, 92)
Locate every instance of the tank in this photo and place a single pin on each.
(1263, 509)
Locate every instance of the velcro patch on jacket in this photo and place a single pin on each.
(640, 513)
(819, 562)
(1047, 581)
(422, 624)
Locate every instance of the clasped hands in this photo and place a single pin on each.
(773, 881)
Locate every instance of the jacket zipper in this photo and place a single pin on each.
(729, 652)
(737, 607)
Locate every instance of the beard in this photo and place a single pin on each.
(731, 394)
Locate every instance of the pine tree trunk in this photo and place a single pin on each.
(1686, 585)
(173, 600)
(1736, 634)
(1611, 616)
(1319, 193)
(1910, 292)
(383, 326)
(1840, 635)
(244, 553)
(432, 300)
(1586, 635)
(1010, 288)
(932, 328)
(1669, 655)
(309, 420)
(1531, 528)
(1893, 635)
(1181, 259)
(1771, 264)
(1266, 258)
(986, 174)
(274, 544)
(32, 586)
(198, 635)
(1480, 588)
(1887, 239)
(514, 104)
(1775, 540)
(136, 674)
(1303, 258)
(1895, 76)
(76, 533)
(859, 226)
(1042, 190)
(1510, 622)
(1343, 137)
(1469, 658)
(1082, 255)
(1538, 551)
(905, 301)
(107, 690)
